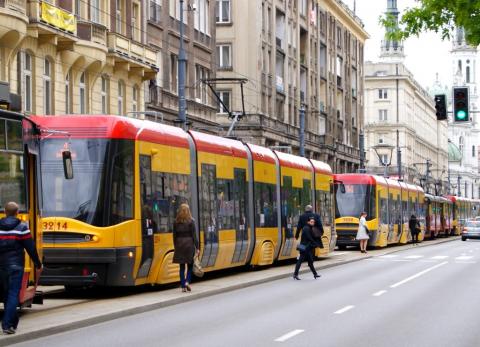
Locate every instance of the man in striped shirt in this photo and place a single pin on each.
(15, 237)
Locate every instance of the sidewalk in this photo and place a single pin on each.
(59, 315)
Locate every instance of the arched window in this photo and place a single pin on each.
(47, 86)
(25, 64)
(68, 108)
(105, 94)
(135, 94)
(121, 97)
(83, 96)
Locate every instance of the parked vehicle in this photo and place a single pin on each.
(471, 230)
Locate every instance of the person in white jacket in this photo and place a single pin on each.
(362, 234)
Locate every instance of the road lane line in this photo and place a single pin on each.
(414, 257)
(388, 256)
(464, 257)
(417, 275)
(380, 292)
(439, 257)
(345, 309)
(289, 335)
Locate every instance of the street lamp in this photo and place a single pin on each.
(384, 148)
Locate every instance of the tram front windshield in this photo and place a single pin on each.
(101, 191)
(353, 199)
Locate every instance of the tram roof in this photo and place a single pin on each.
(360, 179)
(294, 161)
(113, 127)
(218, 145)
(260, 153)
(321, 167)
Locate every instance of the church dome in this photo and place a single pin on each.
(454, 153)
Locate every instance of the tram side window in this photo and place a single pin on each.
(240, 198)
(225, 205)
(207, 197)
(169, 191)
(122, 182)
(265, 205)
(383, 211)
(324, 206)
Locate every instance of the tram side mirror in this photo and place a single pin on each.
(67, 164)
(341, 186)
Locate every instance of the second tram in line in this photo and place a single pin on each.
(112, 224)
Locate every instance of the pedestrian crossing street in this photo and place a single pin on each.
(464, 258)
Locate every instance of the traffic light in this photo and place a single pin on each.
(460, 105)
(441, 107)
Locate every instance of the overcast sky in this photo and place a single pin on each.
(425, 55)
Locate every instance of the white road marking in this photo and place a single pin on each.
(465, 262)
(289, 335)
(380, 292)
(417, 275)
(401, 260)
(339, 253)
(414, 257)
(388, 256)
(345, 309)
(439, 257)
(464, 257)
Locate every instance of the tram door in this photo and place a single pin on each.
(147, 215)
(209, 214)
(287, 215)
(240, 215)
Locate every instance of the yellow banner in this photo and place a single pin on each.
(58, 18)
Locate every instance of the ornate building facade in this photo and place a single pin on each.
(296, 55)
(66, 56)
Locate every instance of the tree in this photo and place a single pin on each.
(440, 16)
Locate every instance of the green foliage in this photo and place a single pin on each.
(440, 16)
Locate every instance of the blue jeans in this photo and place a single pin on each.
(12, 275)
(182, 274)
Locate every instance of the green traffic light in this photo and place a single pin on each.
(461, 115)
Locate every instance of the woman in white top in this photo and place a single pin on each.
(362, 234)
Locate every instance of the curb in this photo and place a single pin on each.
(12, 339)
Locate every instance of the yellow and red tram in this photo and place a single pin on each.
(112, 224)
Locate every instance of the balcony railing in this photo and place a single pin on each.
(44, 12)
(15, 5)
(131, 50)
(94, 32)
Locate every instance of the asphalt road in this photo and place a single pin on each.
(426, 296)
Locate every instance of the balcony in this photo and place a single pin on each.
(14, 19)
(126, 52)
(93, 32)
(52, 24)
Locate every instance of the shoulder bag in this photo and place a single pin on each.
(197, 267)
(301, 247)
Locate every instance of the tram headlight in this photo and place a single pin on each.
(95, 238)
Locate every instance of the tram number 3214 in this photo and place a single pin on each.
(51, 226)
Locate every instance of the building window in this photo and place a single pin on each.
(468, 75)
(95, 11)
(119, 17)
(68, 103)
(26, 64)
(83, 96)
(382, 115)
(201, 16)
(174, 9)
(225, 97)
(135, 96)
(201, 73)
(473, 151)
(173, 73)
(47, 86)
(383, 158)
(135, 25)
(222, 11)
(155, 10)
(224, 56)
(382, 94)
(121, 98)
(104, 94)
(303, 7)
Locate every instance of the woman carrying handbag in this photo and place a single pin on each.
(306, 246)
(362, 233)
(185, 244)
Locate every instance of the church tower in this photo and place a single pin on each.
(392, 51)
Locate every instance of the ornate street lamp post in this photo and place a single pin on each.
(380, 151)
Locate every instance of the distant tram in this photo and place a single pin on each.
(111, 225)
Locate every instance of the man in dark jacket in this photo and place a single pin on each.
(414, 227)
(303, 220)
(15, 237)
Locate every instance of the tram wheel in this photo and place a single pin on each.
(342, 247)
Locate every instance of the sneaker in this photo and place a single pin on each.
(9, 331)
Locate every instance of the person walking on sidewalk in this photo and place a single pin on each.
(15, 238)
(303, 219)
(414, 227)
(185, 244)
(362, 233)
(307, 243)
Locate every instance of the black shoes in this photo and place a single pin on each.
(296, 278)
(316, 276)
